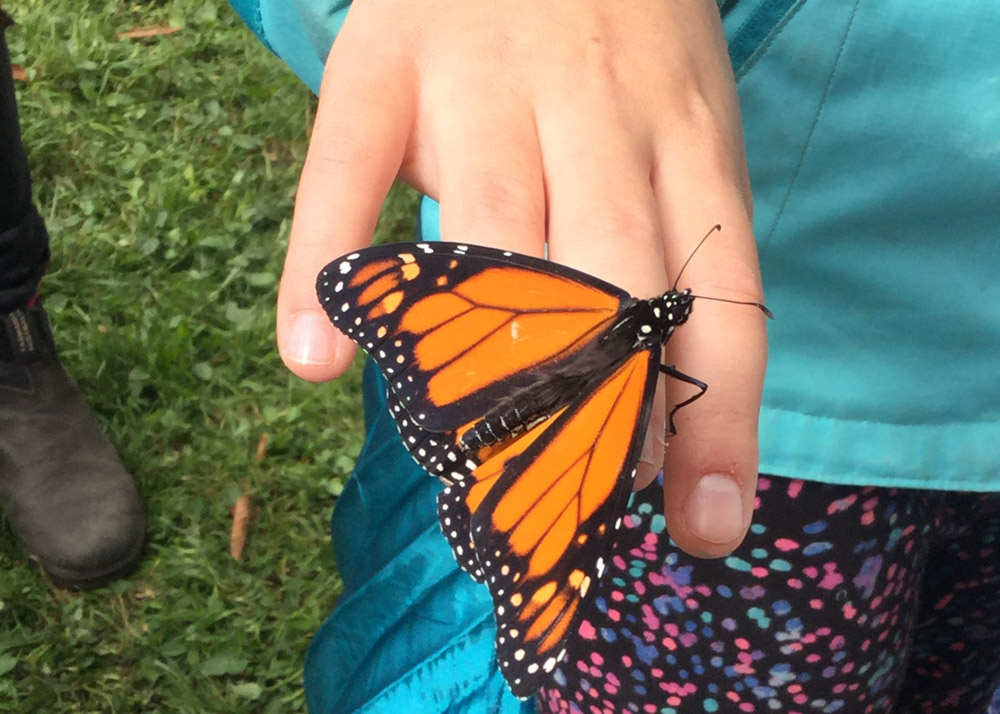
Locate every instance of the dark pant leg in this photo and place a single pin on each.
(24, 242)
(955, 657)
(812, 613)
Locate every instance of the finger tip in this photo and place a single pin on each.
(311, 347)
(712, 519)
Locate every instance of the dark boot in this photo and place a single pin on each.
(68, 496)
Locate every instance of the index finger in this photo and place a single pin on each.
(359, 139)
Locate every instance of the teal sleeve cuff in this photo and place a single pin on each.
(301, 32)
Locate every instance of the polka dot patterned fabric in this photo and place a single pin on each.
(841, 599)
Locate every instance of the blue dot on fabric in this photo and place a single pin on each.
(706, 617)
(781, 565)
(758, 528)
(817, 548)
(711, 705)
(758, 553)
(608, 635)
(645, 507)
(866, 545)
(814, 527)
(658, 524)
(781, 607)
(724, 591)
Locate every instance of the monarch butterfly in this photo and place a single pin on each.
(527, 387)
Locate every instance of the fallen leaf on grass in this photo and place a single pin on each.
(241, 520)
(18, 71)
(140, 33)
(262, 443)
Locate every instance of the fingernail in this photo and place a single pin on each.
(310, 339)
(714, 510)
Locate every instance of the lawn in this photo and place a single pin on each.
(165, 168)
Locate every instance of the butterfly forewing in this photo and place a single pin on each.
(454, 328)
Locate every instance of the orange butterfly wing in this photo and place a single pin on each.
(541, 516)
(454, 328)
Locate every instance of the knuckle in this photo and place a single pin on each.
(501, 201)
(624, 226)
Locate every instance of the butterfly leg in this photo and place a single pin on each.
(671, 371)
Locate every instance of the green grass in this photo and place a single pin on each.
(165, 169)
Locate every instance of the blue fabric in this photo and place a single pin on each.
(411, 632)
(874, 153)
(872, 138)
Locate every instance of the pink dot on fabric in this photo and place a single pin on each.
(867, 518)
(816, 604)
(785, 544)
(746, 707)
(614, 615)
(849, 611)
(742, 643)
(795, 487)
(759, 572)
(597, 658)
(587, 631)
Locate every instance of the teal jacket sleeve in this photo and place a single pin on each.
(300, 32)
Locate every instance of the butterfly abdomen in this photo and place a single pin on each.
(553, 387)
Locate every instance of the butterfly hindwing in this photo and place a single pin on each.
(454, 328)
(544, 531)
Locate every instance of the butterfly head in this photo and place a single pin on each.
(668, 311)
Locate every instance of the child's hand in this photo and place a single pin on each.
(614, 130)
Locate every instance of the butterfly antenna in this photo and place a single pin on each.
(716, 227)
(759, 305)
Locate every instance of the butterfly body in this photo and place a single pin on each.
(641, 324)
(527, 387)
